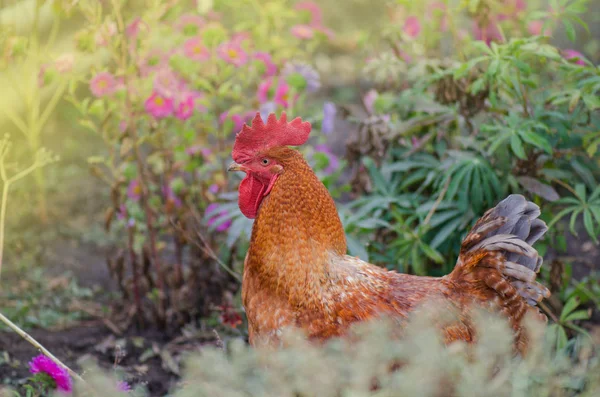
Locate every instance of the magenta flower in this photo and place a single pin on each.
(412, 26)
(185, 109)
(158, 105)
(134, 190)
(194, 49)
(123, 386)
(303, 32)
(216, 218)
(103, 84)
(574, 56)
(133, 29)
(43, 364)
(316, 17)
(263, 90)
(171, 198)
(237, 118)
(489, 33)
(265, 58)
(232, 53)
(282, 94)
(214, 188)
(190, 25)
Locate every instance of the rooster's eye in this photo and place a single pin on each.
(265, 161)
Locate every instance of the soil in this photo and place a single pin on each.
(93, 340)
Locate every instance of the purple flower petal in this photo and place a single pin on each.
(328, 123)
(61, 377)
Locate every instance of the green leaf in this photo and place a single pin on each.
(578, 315)
(568, 308)
(569, 29)
(589, 225)
(536, 140)
(517, 146)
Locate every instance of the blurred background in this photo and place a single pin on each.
(118, 220)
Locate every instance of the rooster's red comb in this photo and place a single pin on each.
(274, 133)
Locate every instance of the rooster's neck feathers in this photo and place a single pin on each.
(297, 231)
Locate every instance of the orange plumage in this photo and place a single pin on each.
(297, 273)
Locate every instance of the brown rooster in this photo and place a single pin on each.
(297, 273)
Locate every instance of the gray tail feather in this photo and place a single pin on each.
(522, 222)
(512, 227)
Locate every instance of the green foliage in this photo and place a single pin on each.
(471, 119)
(361, 367)
(48, 302)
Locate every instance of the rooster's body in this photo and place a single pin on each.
(297, 273)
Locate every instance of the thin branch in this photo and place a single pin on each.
(207, 250)
(438, 201)
(37, 345)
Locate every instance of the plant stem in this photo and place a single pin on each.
(37, 345)
(141, 169)
(2, 220)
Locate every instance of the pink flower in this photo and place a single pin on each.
(194, 49)
(232, 53)
(185, 109)
(171, 199)
(158, 105)
(536, 28)
(103, 84)
(412, 26)
(168, 84)
(133, 29)
(155, 59)
(316, 17)
(574, 56)
(216, 218)
(237, 118)
(282, 94)
(303, 32)
(263, 90)
(106, 31)
(64, 63)
(439, 8)
(270, 67)
(239, 37)
(190, 24)
(60, 375)
(198, 96)
(369, 100)
(214, 188)
(198, 149)
(488, 34)
(134, 190)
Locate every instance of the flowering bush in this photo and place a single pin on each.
(468, 103)
(175, 88)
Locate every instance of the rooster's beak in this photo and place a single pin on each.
(236, 167)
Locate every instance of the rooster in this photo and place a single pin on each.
(297, 273)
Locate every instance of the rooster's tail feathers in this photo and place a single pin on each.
(498, 251)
